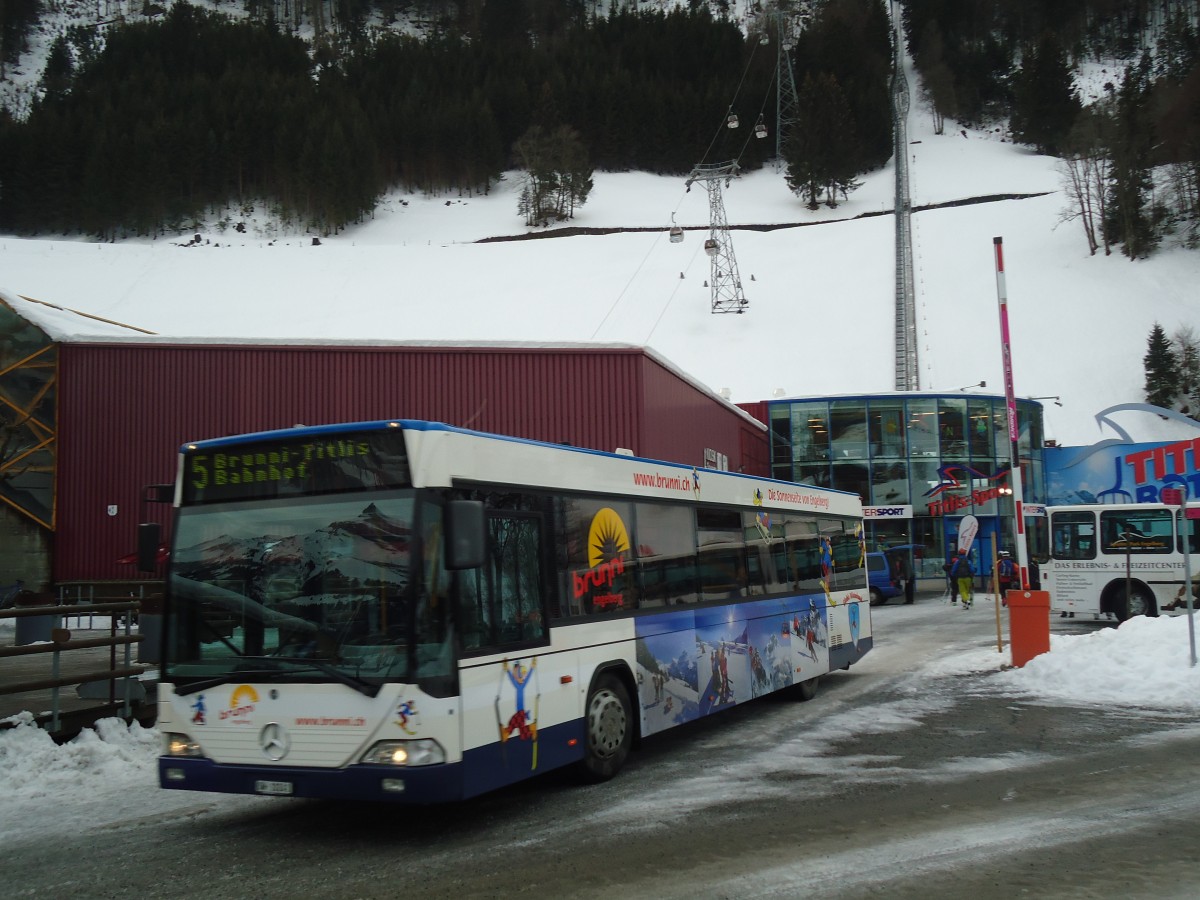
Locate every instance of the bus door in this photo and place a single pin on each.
(516, 695)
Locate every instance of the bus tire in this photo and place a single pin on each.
(608, 727)
(877, 598)
(806, 690)
(1139, 602)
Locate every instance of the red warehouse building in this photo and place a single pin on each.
(93, 412)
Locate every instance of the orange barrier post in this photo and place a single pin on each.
(1028, 624)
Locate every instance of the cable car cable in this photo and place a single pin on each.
(671, 298)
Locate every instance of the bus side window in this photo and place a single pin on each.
(501, 603)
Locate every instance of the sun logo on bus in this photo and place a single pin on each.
(241, 705)
(607, 538)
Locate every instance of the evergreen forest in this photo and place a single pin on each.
(163, 119)
(144, 123)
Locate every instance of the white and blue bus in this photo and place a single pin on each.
(1118, 560)
(413, 612)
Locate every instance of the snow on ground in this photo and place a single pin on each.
(109, 772)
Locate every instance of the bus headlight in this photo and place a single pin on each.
(181, 745)
(425, 752)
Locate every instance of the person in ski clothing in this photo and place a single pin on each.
(904, 573)
(948, 568)
(1006, 574)
(962, 574)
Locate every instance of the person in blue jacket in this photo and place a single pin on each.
(962, 574)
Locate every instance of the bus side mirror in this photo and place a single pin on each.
(464, 534)
(149, 536)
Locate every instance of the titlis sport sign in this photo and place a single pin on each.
(887, 512)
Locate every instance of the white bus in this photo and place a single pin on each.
(412, 612)
(1117, 560)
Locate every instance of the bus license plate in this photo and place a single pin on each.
(275, 788)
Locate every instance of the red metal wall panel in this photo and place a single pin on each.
(124, 410)
(681, 422)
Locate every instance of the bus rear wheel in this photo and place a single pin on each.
(1137, 603)
(609, 723)
(806, 690)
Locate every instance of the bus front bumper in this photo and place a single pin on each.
(426, 784)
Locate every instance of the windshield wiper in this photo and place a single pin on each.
(232, 675)
(245, 673)
(363, 687)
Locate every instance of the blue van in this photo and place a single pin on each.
(882, 581)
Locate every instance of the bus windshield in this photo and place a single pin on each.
(306, 589)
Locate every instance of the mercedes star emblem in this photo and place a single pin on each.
(274, 741)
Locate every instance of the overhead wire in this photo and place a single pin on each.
(671, 298)
(762, 110)
(653, 244)
(712, 143)
(733, 102)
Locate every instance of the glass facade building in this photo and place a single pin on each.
(919, 461)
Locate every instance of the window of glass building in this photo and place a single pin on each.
(781, 443)
(929, 534)
(1001, 443)
(952, 427)
(1026, 423)
(924, 477)
(853, 477)
(922, 427)
(979, 428)
(889, 483)
(810, 432)
(848, 429)
(885, 422)
(980, 483)
(1035, 424)
(816, 474)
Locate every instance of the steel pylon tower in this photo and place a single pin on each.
(727, 296)
(908, 373)
(786, 103)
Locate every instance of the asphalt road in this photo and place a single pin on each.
(894, 782)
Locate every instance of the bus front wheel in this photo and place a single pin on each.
(609, 723)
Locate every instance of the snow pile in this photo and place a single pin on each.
(86, 775)
(1143, 663)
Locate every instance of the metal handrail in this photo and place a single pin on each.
(61, 642)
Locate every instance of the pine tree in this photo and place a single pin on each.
(1045, 102)
(1187, 348)
(1162, 369)
(558, 177)
(1128, 220)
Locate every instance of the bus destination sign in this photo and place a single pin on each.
(285, 468)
